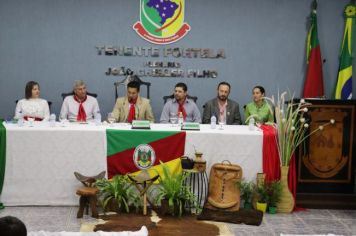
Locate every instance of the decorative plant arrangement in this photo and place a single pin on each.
(262, 197)
(246, 189)
(172, 193)
(292, 129)
(292, 126)
(117, 194)
(274, 192)
(268, 195)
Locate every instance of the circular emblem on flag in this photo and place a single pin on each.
(144, 156)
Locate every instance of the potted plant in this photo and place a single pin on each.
(117, 194)
(246, 189)
(262, 197)
(274, 191)
(293, 128)
(172, 193)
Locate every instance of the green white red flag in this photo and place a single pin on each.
(314, 84)
(124, 146)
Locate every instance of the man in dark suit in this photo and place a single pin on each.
(225, 110)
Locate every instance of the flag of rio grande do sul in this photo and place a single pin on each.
(123, 147)
(314, 84)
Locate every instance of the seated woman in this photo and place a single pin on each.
(259, 108)
(32, 105)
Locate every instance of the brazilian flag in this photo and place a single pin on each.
(343, 89)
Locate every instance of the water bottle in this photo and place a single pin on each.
(180, 119)
(213, 122)
(20, 121)
(251, 124)
(52, 120)
(97, 118)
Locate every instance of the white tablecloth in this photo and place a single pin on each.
(40, 160)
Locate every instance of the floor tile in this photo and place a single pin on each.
(314, 214)
(338, 222)
(343, 214)
(19, 212)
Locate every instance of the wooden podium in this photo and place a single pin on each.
(326, 162)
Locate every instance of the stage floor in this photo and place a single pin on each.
(311, 221)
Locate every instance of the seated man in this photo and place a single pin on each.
(80, 106)
(133, 106)
(224, 109)
(180, 103)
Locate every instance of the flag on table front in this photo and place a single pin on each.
(343, 89)
(146, 147)
(314, 84)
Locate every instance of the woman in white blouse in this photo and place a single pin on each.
(32, 105)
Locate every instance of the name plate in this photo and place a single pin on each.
(140, 124)
(190, 126)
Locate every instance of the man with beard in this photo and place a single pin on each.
(180, 104)
(133, 106)
(225, 110)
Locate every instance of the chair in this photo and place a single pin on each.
(128, 79)
(143, 182)
(165, 98)
(64, 95)
(88, 194)
(49, 103)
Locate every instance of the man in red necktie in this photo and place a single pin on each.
(180, 104)
(132, 106)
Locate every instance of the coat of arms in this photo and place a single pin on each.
(144, 156)
(325, 158)
(161, 21)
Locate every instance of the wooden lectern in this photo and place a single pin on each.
(326, 161)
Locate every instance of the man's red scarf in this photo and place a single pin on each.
(181, 109)
(132, 112)
(82, 116)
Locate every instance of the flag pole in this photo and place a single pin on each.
(315, 4)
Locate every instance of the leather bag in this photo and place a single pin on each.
(224, 192)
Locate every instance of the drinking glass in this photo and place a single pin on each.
(30, 121)
(221, 125)
(173, 118)
(111, 118)
(31, 116)
(63, 120)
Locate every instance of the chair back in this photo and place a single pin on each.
(127, 80)
(89, 181)
(64, 95)
(165, 98)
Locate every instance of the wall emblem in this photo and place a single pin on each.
(161, 21)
